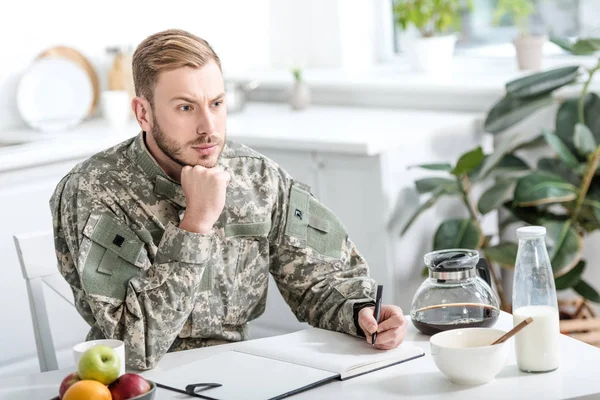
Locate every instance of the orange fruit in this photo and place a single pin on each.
(87, 390)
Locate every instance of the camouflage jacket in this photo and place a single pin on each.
(137, 277)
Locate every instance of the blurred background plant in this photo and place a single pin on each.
(560, 192)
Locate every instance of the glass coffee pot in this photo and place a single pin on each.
(457, 293)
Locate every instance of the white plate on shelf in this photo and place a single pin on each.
(54, 94)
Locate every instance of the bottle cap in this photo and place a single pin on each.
(530, 232)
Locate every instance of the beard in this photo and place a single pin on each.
(175, 151)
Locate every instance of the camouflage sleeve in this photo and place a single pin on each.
(317, 268)
(117, 289)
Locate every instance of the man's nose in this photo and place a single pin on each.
(206, 123)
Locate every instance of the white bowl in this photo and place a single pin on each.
(467, 357)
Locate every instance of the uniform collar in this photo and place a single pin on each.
(163, 185)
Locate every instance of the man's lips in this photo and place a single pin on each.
(205, 149)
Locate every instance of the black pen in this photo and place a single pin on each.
(377, 311)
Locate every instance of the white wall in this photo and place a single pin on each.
(343, 34)
(239, 31)
(247, 35)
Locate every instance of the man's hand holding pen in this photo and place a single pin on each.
(390, 330)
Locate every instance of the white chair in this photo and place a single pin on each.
(39, 267)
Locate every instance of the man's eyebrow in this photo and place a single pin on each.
(184, 98)
(191, 100)
(220, 96)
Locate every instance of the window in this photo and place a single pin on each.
(567, 18)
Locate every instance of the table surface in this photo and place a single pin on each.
(418, 379)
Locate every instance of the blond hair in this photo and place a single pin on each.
(165, 51)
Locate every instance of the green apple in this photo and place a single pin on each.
(100, 363)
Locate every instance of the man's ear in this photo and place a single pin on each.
(143, 112)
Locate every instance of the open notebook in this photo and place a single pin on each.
(277, 367)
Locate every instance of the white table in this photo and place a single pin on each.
(577, 377)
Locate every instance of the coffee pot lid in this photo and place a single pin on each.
(451, 260)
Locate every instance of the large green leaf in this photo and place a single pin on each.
(534, 143)
(588, 292)
(541, 82)
(509, 166)
(586, 46)
(557, 167)
(435, 196)
(510, 110)
(561, 149)
(511, 162)
(583, 140)
(567, 117)
(504, 253)
(468, 162)
(457, 233)
(507, 144)
(427, 185)
(541, 187)
(563, 43)
(495, 196)
(570, 278)
(533, 215)
(564, 244)
(583, 46)
(434, 167)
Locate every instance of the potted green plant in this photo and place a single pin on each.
(459, 180)
(563, 191)
(560, 192)
(436, 22)
(529, 47)
(300, 92)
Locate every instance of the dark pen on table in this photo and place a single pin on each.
(377, 311)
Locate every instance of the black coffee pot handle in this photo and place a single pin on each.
(483, 269)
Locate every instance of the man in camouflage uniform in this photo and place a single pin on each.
(167, 239)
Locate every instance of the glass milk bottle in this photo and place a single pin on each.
(534, 295)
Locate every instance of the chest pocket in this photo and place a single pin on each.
(114, 257)
(313, 224)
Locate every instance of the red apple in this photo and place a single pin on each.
(128, 385)
(67, 382)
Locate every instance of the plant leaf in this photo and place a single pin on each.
(495, 196)
(563, 43)
(541, 187)
(435, 196)
(588, 292)
(583, 139)
(535, 142)
(457, 233)
(557, 167)
(427, 185)
(564, 245)
(434, 167)
(504, 253)
(509, 165)
(507, 144)
(570, 278)
(510, 162)
(567, 117)
(468, 162)
(533, 215)
(586, 46)
(510, 110)
(561, 149)
(540, 83)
